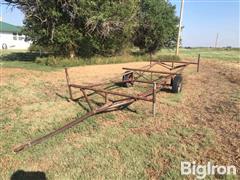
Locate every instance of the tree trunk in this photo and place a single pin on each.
(72, 51)
(72, 54)
(150, 54)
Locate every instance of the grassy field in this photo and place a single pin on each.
(200, 124)
(23, 59)
(207, 53)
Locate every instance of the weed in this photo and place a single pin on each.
(172, 99)
(109, 116)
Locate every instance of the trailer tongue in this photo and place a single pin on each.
(131, 76)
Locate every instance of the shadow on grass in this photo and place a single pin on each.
(24, 175)
(25, 60)
(22, 56)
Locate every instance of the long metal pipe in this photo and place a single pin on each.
(103, 108)
(151, 71)
(184, 62)
(110, 92)
(65, 127)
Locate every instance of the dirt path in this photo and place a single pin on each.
(83, 74)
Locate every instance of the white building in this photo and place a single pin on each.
(11, 37)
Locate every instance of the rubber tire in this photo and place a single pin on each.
(177, 84)
(127, 78)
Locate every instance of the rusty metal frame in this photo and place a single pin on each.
(175, 68)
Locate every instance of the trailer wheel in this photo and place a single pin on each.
(177, 84)
(128, 76)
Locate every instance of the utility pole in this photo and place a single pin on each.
(180, 27)
(216, 42)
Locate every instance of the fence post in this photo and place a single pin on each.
(198, 63)
(68, 83)
(154, 99)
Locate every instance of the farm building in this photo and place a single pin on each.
(11, 37)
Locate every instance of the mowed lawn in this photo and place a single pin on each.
(200, 124)
(207, 53)
(23, 59)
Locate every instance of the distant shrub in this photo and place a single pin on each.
(60, 61)
(68, 62)
(41, 60)
(34, 48)
(43, 49)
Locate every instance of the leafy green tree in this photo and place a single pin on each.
(110, 23)
(81, 27)
(88, 27)
(157, 26)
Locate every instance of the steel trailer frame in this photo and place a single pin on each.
(131, 76)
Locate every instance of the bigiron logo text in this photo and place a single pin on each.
(201, 171)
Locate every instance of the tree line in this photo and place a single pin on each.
(106, 27)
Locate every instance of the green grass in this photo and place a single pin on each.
(128, 148)
(65, 62)
(172, 99)
(26, 65)
(206, 53)
(122, 145)
(22, 59)
(28, 60)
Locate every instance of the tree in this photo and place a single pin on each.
(78, 27)
(157, 26)
(88, 27)
(110, 23)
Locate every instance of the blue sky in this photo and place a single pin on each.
(202, 20)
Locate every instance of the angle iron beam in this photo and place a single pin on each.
(86, 98)
(185, 62)
(110, 92)
(150, 71)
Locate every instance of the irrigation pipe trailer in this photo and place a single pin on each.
(148, 75)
